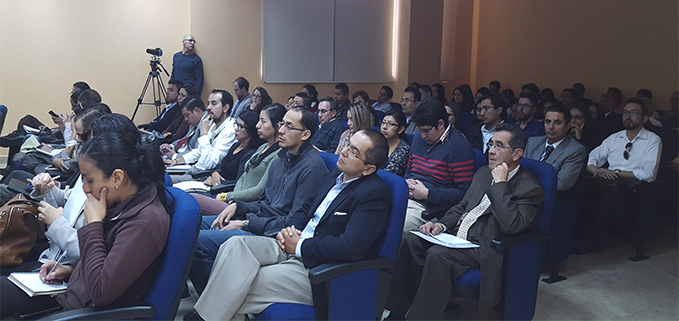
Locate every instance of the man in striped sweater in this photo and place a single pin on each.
(441, 165)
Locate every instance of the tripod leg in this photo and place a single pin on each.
(141, 97)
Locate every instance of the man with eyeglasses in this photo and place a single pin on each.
(339, 222)
(633, 155)
(187, 67)
(503, 199)
(293, 176)
(330, 129)
(556, 148)
(217, 134)
(490, 111)
(524, 115)
(409, 101)
(440, 168)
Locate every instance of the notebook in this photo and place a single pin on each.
(31, 284)
(447, 240)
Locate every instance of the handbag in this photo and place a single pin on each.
(19, 229)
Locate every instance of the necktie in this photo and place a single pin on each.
(472, 216)
(548, 151)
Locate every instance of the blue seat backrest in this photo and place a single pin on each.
(3, 114)
(409, 139)
(329, 159)
(545, 174)
(378, 115)
(168, 179)
(166, 291)
(481, 159)
(396, 106)
(345, 123)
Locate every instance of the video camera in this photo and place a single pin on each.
(155, 52)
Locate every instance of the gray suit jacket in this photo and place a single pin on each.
(568, 159)
(514, 209)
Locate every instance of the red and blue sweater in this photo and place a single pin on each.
(445, 168)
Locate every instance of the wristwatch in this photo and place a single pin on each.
(617, 172)
(245, 224)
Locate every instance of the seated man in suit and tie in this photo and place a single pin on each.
(566, 154)
(504, 199)
(340, 223)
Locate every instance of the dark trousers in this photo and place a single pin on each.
(638, 205)
(15, 300)
(423, 275)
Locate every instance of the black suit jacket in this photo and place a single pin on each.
(352, 223)
(475, 137)
(612, 124)
(514, 209)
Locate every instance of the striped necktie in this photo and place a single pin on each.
(548, 151)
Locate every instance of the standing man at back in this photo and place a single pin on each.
(441, 165)
(187, 67)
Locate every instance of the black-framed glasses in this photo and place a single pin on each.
(630, 112)
(388, 124)
(523, 106)
(628, 148)
(354, 153)
(282, 124)
(238, 126)
(426, 131)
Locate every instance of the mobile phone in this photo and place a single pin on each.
(53, 114)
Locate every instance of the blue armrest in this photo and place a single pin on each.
(325, 272)
(95, 313)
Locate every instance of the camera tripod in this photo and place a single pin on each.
(157, 86)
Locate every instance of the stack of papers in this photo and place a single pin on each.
(447, 240)
(178, 169)
(192, 186)
(31, 284)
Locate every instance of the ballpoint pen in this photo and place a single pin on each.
(63, 255)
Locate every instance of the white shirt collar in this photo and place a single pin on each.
(554, 144)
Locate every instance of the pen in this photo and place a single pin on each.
(63, 255)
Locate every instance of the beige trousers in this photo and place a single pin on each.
(250, 273)
(413, 216)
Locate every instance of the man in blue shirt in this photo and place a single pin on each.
(187, 67)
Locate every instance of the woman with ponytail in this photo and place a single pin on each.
(127, 225)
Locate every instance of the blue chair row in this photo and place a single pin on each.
(356, 290)
(164, 296)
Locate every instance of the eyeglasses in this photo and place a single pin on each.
(238, 126)
(256, 96)
(484, 109)
(426, 131)
(523, 106)
(406, 100)
(628, 148)
(630, 112)
(353, 153)
(497, 145)
(323, 111)
(389, 124)
(288, 127)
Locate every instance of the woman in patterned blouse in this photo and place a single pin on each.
(393, 127)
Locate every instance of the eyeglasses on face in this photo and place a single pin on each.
(238, 126)
(628, 148)
(288, 127)
(523, 106)
(497, 145)
(630, 112)
(388, 124)
(425, 131)
(323, 111)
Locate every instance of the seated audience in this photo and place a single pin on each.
(530, 89)
(290, 103)
(525, 108)
(241, 87)
(359, 117)
(217, 134)
(382, 104)
(179, 126)
(672, 116)
(260, 98)
(583, 127)
(495, 87)
(409, 102)
(193, 112)
(302, 99)
(311, 91)
(482, 92)
(568, 97)
(465, 98)
(341, 96)
(126, 231)
(567, 155)
(252, 272)
(293, 176)
(632, 154)
(612, 121)
(251, 183)
(441, 165)
(439, 92)
(360, 97)
(504, 199)
(247, 141)
(163, 120)
(330, 128)
(452, 111)
(425, 91)
(393, 127)
(490, 111)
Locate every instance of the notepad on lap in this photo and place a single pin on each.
(447, 240)
(31, 284)
(192, 186)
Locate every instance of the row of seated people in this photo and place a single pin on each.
(427, 197)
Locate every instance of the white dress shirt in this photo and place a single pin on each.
(213, 146)
(644, 157)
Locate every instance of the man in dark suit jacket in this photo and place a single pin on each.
(342, 223)
(504, 198)
(566, 154)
